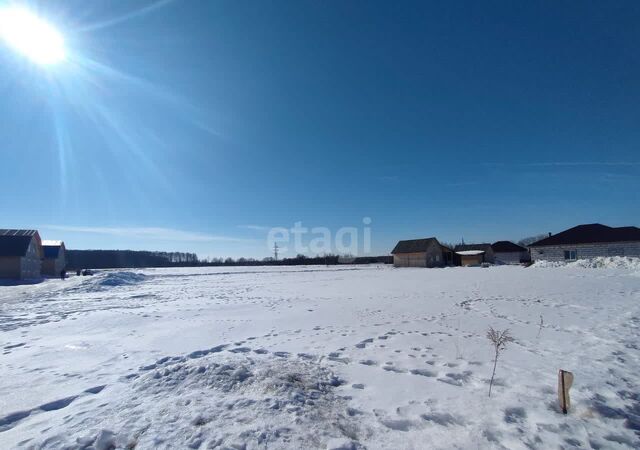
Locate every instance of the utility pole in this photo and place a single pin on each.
(275, 250)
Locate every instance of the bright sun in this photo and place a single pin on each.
(31, 36)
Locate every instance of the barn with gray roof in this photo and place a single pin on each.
(54, 258)
(506, 252)
(20, 254)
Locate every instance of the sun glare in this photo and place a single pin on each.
(31, 36)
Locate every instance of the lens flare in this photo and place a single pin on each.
(31, 36)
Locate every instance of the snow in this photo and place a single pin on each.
(347, 357)
(601, 262)
(50, 242)
(470, 252)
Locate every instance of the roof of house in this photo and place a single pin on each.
(414, 245)
(470, 252)
(51, 242)
(16, 242)
(590, 233)
(465, 247)
(507, 247)
(445, 248)
(51, 249)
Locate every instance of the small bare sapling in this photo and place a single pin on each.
(499, 340)
(541, 325)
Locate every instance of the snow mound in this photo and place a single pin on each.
(228, 400)
(108, 280)
(601, 262)
(112, 279)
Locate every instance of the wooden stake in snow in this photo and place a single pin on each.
(565, 380)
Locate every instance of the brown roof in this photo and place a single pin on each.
(591, 233)
(507, 247)
(16, 242)
(414, 245)
(465, 247)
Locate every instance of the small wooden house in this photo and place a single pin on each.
(20, 254)
(54, 258)
(421, 253)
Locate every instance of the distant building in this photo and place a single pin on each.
(506, 252)
(421, 253)
(588, 241)
(472, 254)
(20, 254)
(54, 258)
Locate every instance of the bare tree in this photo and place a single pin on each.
(541, 324)
(499, 340)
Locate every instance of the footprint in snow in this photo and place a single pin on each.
(456, 379)
(443, 419)
(423, 372)
(368, 362)
(240, 350)
(514, 414)
(394, 369)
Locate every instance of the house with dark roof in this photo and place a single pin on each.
(421, 253)
(54, 258)
(506, 252)
(473, 254)
(20, 254)
(587, 241)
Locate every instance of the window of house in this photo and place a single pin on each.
(570, 255)
(437, 258)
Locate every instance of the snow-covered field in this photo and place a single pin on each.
(315, 357)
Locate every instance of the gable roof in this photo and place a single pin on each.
(414, 245)
(591, 233)
(16, 242)
(465, 247)
(51, 249)
(52, 243)
(507, 247)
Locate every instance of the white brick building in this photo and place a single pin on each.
(587, 241)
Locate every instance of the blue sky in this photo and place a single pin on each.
(197, 126)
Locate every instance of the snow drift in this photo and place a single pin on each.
(222, 400)
(601, 262)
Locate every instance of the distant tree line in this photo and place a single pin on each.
(106, 259)
(103, 259)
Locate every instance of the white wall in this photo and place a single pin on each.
(31, 263)
(508, 257)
